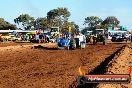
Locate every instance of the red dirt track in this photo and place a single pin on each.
(25, 67)
(4, 44)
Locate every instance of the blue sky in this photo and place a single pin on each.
(122, 9)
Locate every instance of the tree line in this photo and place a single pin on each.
(55, 18)
(58, 17)
(4, 25)
(94, 22)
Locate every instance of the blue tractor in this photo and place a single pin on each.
(66, 43)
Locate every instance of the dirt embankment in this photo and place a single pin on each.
(119, 66)
(25, 67)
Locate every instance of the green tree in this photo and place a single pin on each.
(4, 25)
(92, 21)
(2, 21)
(110, 21)
(57, 17)
(41, 23)
(26, 21)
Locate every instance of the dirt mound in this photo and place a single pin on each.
(120, 66)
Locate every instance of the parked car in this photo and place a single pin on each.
(15, 38)
(5, 37)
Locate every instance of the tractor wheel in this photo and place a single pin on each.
(103, 43)
(74, 47)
